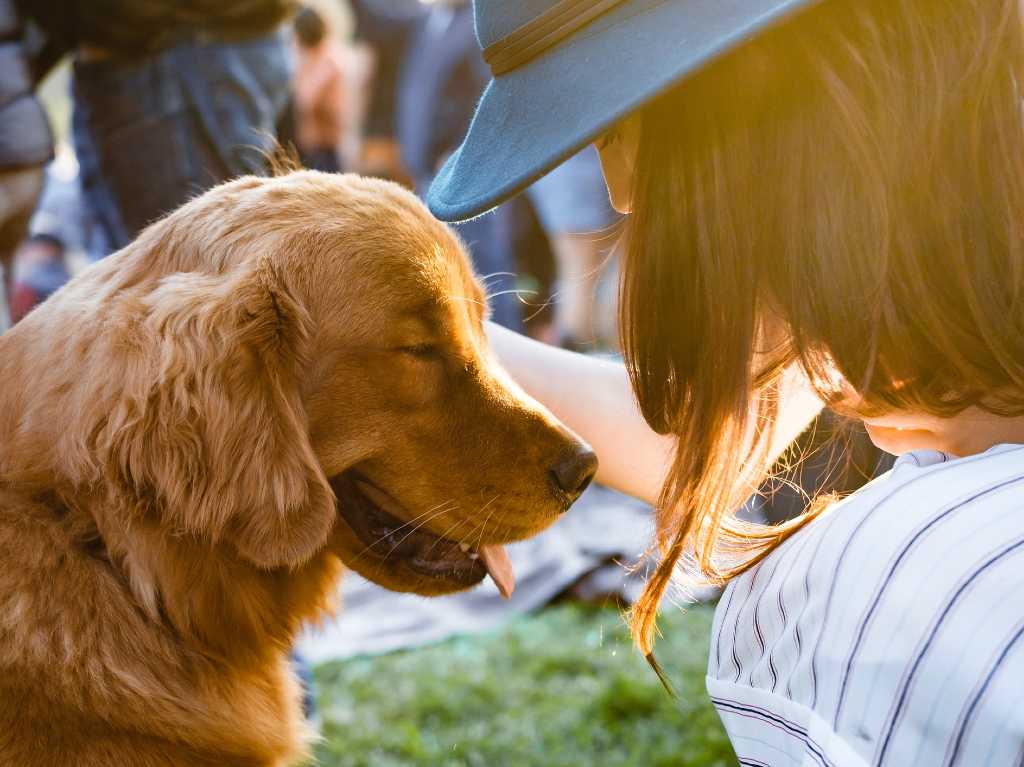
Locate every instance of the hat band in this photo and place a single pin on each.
(543, 33)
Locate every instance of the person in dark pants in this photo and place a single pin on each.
(386, 28)
(170, 98)
(318, 107)
(442, 78)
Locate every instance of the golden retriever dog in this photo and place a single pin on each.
(283, 378)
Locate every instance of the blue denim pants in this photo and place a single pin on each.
(489, 240)
(153, 132)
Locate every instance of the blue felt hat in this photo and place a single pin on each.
(565, 70)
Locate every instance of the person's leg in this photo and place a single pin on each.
(572, 204)
(40, 270)
(19, 191)
(323, 159)
(579, 258)
(489, 241)
(150, 134)
(237, 93)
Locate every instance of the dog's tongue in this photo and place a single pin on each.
(499, 566)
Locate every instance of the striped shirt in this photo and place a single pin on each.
(890, 631)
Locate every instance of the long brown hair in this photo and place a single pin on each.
(845, 193)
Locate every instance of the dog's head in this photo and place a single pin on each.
(299, 363)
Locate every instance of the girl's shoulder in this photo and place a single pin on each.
(912, 534)
(895, 613)
(930, 506)
(931, 514)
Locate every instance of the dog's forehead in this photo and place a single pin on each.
(357, 237)
(442, 270)
(445, 291)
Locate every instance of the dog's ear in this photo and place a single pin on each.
(211, 431)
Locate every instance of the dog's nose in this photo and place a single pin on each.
(574, 471)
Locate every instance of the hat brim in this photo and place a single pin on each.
(532, 119)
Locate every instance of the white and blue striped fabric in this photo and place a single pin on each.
(890, 631)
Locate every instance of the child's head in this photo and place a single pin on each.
(847, 192)
(310, 27)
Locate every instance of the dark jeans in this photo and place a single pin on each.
(152, 133)
(324, 159)
(488, 238)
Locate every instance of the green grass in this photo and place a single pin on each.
(560, 689)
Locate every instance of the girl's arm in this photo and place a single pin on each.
(593, 397)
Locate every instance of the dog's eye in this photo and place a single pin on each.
(422, 351)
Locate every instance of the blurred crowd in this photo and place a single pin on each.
(170, 97)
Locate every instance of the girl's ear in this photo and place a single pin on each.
(618, 152)
(211, 430)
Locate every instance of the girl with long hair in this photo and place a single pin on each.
(826, 207)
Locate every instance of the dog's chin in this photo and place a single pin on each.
(372, 539)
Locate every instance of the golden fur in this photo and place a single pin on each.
(176, 427)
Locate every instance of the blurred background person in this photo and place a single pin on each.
(431, 53)
(320, 105)
(572, 205)
(441, 78)
(41, 270)
(384, 29)
(428, 76)
(26, 144)
(63, 237)
(170, 98)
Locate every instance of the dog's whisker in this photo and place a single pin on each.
(522, 295)
(392, 532)
(415, 519)
(447, 534)
(477, 531)
(434, 512)
(494, 275)
(520, 292)
(468, 300)
(440, 513)
(424, 519)
(540, 308)
(482, 526)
